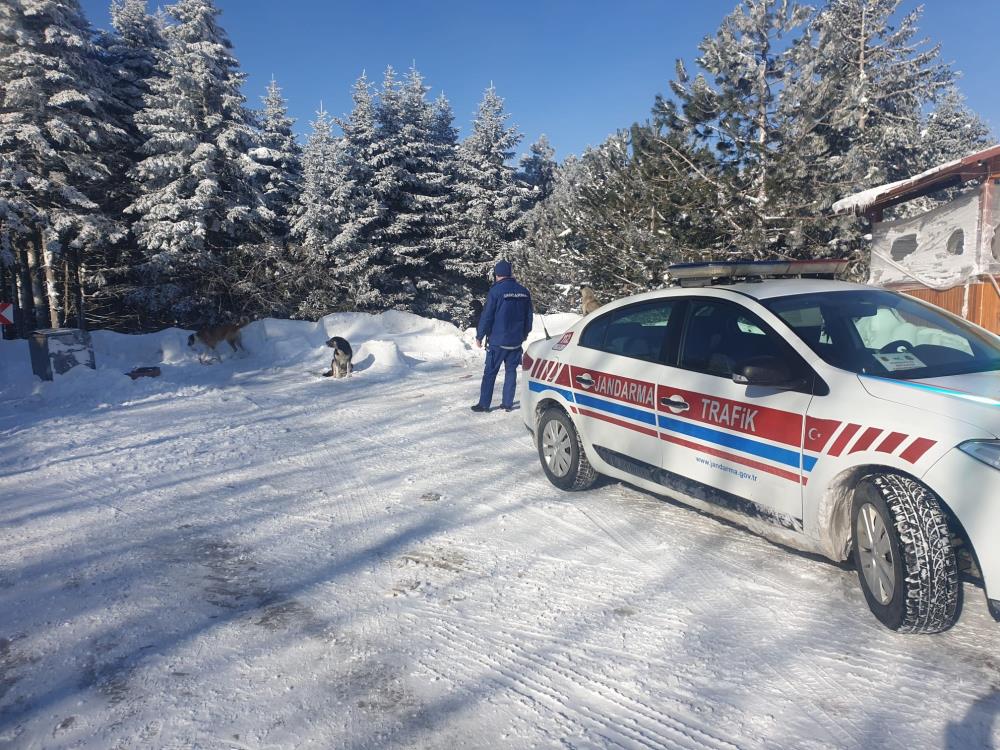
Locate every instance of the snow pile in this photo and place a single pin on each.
(15, 368)
(390, 343)
(554, 323)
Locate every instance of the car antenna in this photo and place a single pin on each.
(542, 319)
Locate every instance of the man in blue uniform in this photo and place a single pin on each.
(505, 324)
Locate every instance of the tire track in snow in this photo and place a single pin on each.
(642, 725)
(599, 589)
(596, 508)
(609, 510)
(834, 726)
(472, 672)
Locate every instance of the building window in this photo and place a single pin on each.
(996, 242)
(956, 243)
(903, 246)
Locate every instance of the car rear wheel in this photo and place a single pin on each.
(561, 452)
(903, 553)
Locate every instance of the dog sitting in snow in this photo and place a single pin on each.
(210, 337)
(341, 365)
(588, 302)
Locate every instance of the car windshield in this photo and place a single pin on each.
(875, 332)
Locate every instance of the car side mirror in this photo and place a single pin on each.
(767, 371)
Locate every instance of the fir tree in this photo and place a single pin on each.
(395, 202)
(280, 155)
(492, 199)
(130, 51)
(853, 115)
(876, 75)
(197, 203)
(57, 141)
(319, 218)
(620, 214)
(552, 261)
(410, 185)
(450, 296)
(359, 260)
(747, 60)
(538, 170)
(951, 131)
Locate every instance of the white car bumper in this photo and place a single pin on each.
(971, 489)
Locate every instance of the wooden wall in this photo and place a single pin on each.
(983, 304)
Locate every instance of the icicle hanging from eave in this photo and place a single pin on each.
(861, 202)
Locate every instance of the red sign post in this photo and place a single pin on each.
(6, 314)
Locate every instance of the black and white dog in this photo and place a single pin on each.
(341, 365)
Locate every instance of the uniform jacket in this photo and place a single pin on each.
(506, 318)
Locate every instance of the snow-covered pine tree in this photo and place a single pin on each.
(319, 216)
(746, 61)
(620, 215)
(492, 199)
(876, 75)
(410, 184)
(450, 297)
(57, 137)
(198, 203)
(265, 279)
(679, 186)
(538, 170)
(951, 130)
(619, 219)
(359, 260)
(552, 259)
(383, 274)
(280, 155)
(396, 196)
(853, 114)
(130, 51)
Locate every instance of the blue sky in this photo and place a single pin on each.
(575, 71)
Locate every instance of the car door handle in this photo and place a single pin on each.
(675, 403)
(585, 380)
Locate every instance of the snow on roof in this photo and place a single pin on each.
(861, 202)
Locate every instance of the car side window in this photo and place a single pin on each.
(721, 337)
(637, 331)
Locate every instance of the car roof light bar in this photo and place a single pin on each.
(703, 274)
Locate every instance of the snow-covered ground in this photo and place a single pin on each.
(248, 555)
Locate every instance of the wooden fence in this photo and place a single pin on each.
(979, 302)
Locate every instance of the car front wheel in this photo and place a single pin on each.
(561, 452)
(903, 554)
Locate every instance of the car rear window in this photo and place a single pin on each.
(637, 331)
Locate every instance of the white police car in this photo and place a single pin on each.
(832, 417)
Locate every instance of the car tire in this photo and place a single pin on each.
(561, 452)
(903, 554)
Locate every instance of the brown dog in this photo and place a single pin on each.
(588, 302)
(211, 336)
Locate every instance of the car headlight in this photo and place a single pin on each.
(987, 451)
